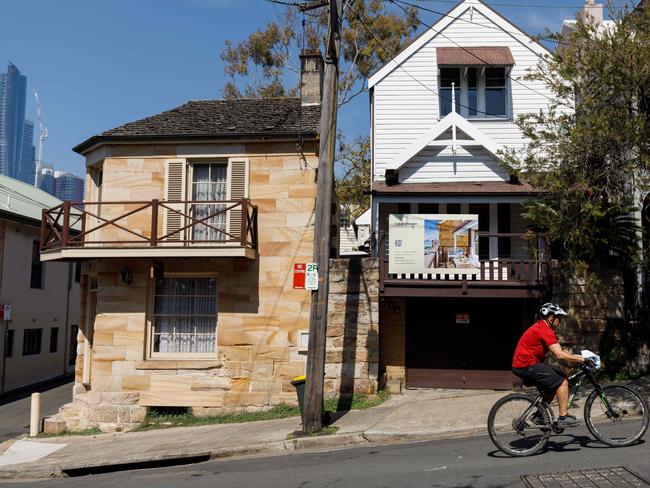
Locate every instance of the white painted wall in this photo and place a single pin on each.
(405, 103)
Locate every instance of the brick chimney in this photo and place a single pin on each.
(311, 77)
(592, 12)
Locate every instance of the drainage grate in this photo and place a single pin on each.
(586, 478)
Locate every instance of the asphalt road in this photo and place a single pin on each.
(458, 463)
(14, 412)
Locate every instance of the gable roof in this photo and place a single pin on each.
(452, 16)
(23, 202)
(204, 119)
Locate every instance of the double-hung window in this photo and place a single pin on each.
(209, 185)
(184, 320)
(480, 92)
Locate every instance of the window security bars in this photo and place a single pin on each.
(185, 315)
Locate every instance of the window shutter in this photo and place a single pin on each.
(174, 192)
(237, 189)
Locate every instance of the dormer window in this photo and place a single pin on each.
(480, 79)
(480, 92)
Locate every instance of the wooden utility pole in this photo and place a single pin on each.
(312, 420)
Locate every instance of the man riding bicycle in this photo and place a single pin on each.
(530, 353)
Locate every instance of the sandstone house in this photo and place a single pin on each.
(192, 223)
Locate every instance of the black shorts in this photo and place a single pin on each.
(541, 375)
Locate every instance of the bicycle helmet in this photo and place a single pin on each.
(552, 309)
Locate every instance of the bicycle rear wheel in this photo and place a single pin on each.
(511, 432)
(627, 420)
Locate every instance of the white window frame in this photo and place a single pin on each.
(151, 314)
(189, 192)
(480, 87)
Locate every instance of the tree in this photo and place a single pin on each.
(590, 152)
(266, 63)
(352, 184)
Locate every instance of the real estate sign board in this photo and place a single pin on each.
(433, 244)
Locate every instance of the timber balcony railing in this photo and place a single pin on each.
(515, 271)
(149, 228)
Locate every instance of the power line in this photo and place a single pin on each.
(488, 26)
(524, 5)
(286, 4)
(398, 4)
(399, 66)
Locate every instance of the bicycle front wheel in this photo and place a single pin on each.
(516, 434)
(618, 417)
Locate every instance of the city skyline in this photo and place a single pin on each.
(96, 76)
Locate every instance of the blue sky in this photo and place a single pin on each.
(98, 64)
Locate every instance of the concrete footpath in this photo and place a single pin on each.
(417, 415)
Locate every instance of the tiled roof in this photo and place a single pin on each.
(239, 116)
(221, 118)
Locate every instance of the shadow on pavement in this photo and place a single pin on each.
(25, 392)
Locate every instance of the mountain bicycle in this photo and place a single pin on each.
(520, 424)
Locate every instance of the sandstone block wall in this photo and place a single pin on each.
(597, 319)
(352, 355)
(259, 312)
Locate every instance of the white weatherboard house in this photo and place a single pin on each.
(443, 110)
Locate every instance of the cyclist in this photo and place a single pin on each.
(530, 353)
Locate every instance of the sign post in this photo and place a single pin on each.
(311, 277)
(299, 276)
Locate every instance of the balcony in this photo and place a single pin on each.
(225, 228)
(504, 277)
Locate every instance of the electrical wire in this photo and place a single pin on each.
(488, 26)
(523, 5)
(398, 4)
(399, 66)
(286, 4)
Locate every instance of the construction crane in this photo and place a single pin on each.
(42, 135)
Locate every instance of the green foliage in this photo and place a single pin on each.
(160, 419)
(266, 63)
(70, 433)
(590, 152)
(358, 401)
(352, 184)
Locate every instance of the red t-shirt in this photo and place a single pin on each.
(533, 345)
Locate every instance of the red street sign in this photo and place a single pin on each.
(299, 270)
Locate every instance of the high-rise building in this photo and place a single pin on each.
(68, 186)
(27, 167)
(16, 134)
(46, 178)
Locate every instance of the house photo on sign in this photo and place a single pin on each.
(433, 244)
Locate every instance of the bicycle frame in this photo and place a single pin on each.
(575, 382)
